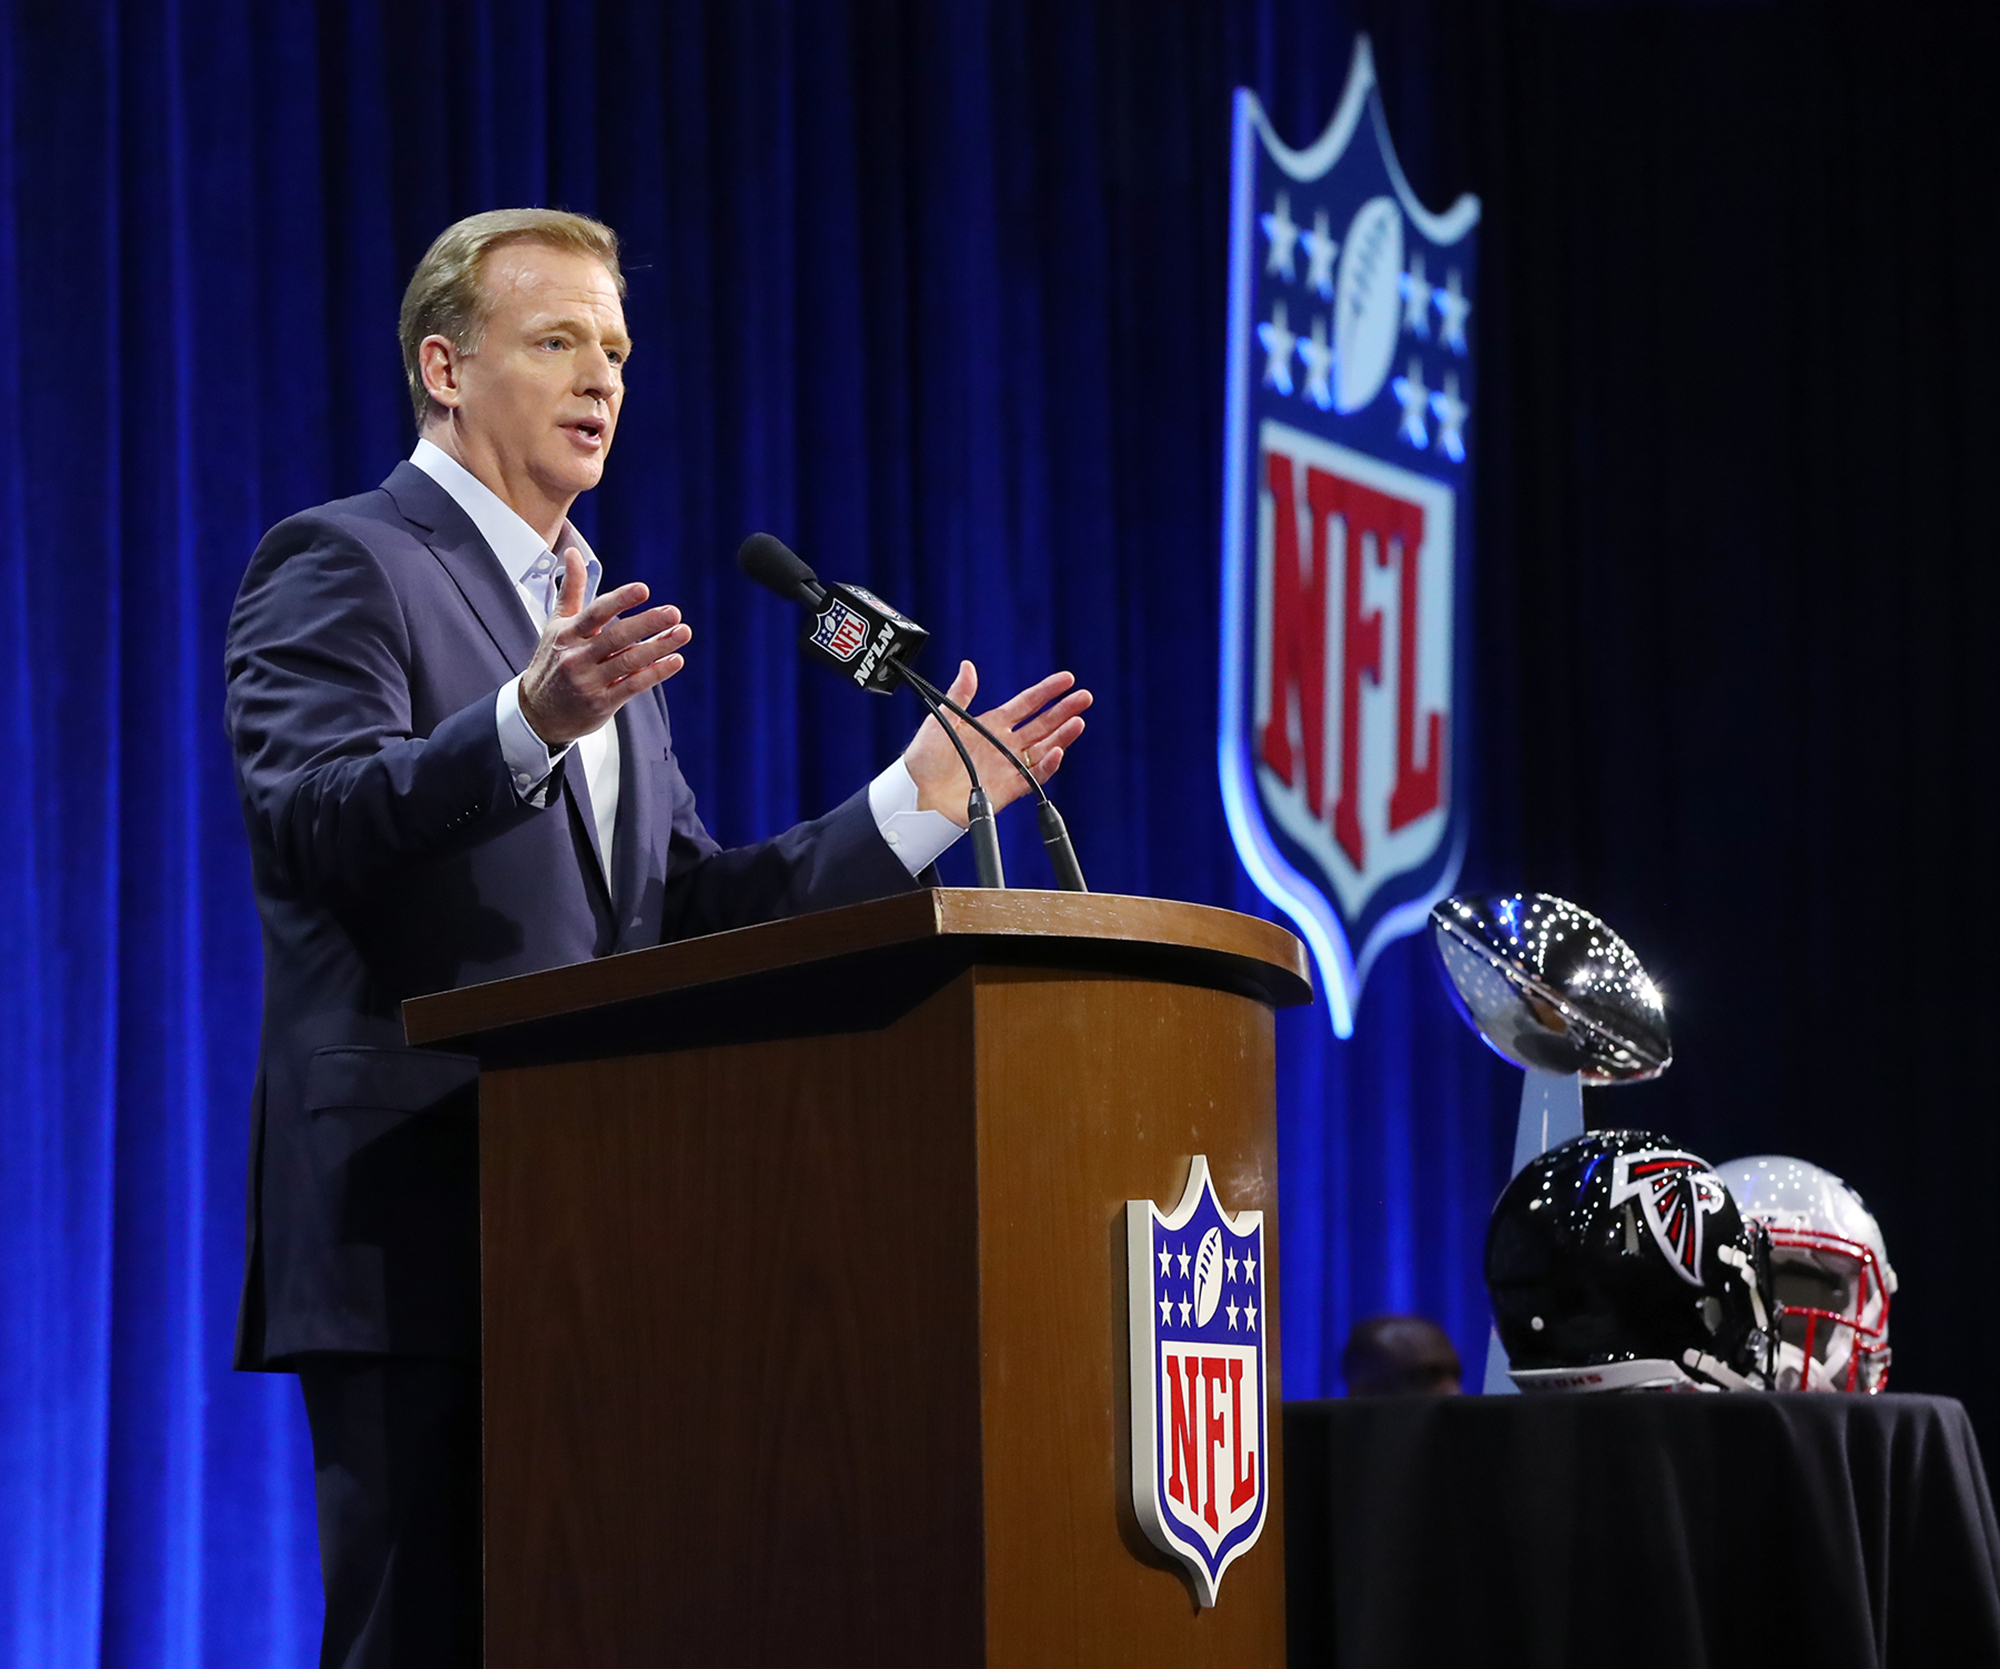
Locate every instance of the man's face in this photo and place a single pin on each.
(539, 397)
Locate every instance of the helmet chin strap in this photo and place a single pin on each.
(1740, 1261)
(1716, 1369)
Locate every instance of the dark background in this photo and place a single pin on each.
(937, 291)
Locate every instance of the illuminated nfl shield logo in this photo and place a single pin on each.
(840, 631)
(1346, 533)
(1199, 1413)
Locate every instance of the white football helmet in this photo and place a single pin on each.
(1830, 1269)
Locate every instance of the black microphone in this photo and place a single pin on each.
(775, 566)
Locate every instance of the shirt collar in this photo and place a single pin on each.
(518, 546)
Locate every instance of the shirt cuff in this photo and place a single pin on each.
(918, 838)
(530, 761)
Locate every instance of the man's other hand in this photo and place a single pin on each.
(593, 659)
(1041, 724)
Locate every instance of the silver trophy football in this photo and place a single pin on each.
(1555, 991)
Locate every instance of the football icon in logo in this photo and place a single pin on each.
(1208, 1277)
(1368, 309)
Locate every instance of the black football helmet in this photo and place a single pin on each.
(1618, 1261)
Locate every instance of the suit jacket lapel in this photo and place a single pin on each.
(490, 594)
(473, 567)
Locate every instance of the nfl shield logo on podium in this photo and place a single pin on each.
(1346, 537)
(1199, 1405)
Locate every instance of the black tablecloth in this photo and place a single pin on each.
(1795, 1532)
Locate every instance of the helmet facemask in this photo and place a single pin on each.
(1833, 1312)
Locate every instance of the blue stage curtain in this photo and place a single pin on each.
(935, 291)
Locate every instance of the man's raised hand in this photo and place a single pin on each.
(593, 658)
(1041, 723)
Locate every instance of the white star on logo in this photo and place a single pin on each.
(1283, 233)
(1277, 338)
(1166, 1257)
(1249, 1269)
(1320, 251)
(1231, 1308)
(1229, 1263)
(1166, 1311)
(1450, 411)
(1184, 1257)
(1453, 310)
(1187, 1310)
(1250, 1317)
(1417, 293)
(1318, 356)
(1410, 391)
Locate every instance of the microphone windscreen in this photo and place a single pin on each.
(776, 567)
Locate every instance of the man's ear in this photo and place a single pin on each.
(440, 363)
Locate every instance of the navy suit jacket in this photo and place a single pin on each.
(392, 857)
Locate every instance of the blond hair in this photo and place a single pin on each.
(448, 296)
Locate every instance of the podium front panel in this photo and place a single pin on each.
(731, 1354)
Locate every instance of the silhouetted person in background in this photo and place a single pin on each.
(1399, 1356)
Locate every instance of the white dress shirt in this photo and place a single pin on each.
(917, 837)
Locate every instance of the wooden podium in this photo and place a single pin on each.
(803, 1276)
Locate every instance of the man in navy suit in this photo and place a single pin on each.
(455, 765)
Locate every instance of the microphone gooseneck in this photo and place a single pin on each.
(978, 806)
(1055, 833)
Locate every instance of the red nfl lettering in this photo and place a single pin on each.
(1416, 790)
(1180, 1439)
(1214, 1373)
(1244, 1489)
(1298, 640)
(1347, 518)
(1361, 654)
(1192, 1478)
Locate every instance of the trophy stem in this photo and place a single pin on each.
(1551, 1113)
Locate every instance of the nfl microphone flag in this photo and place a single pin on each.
(1346, 533)
(862, 638)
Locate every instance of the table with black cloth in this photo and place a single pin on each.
(1808, 1532)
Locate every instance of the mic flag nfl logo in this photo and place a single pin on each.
(839, 630)
(1346, 533)
(1197, 1322)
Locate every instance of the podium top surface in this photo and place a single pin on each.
(831, 957)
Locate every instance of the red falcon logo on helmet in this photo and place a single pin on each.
(1675, 1191)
